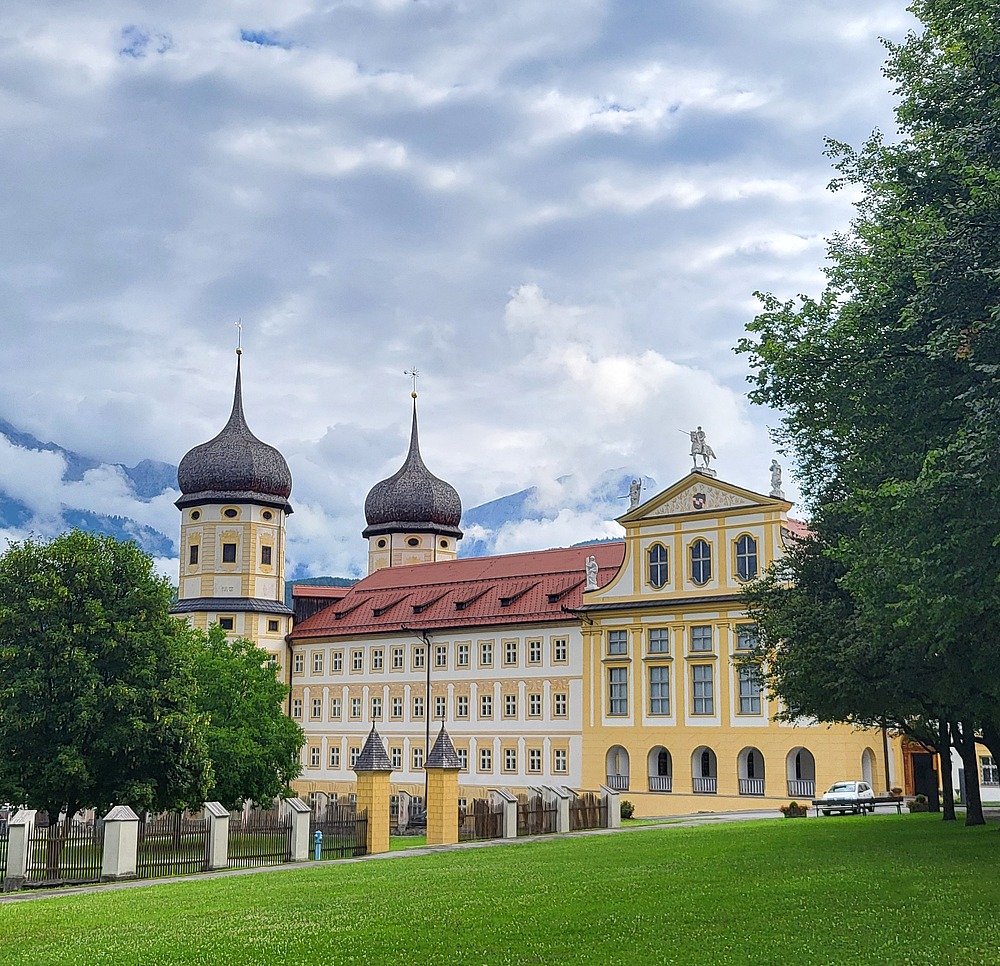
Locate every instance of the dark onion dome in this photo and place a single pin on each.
(413, 499)
(235, 466)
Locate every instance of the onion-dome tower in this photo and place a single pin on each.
(234, 500)
(412, 516)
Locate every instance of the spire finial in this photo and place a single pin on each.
(239, 336)
(412, 373)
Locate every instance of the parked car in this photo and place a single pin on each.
(848, 797)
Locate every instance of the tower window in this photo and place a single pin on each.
(265, 556)
(444, 544)
(229, 513)
(229, 553)
(267, 515)
(272, 626)
(193, 553)
(226, 623)
(196, 514)
(413, 541)
(380, 544)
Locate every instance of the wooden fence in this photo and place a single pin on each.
(171, 844)
(259, 837)
(534, 816)
(64, 854)
(479, 820)
(588, 810)
(344, 828)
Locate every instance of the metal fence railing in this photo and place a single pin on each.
(535, 816)
(480, 820)
(63, 854)
(259, 837)
(171, 844)
(588, 810)
(751, 786)
(345, 831)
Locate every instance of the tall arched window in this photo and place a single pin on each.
(746, 557)
(658, 573)
(701, 561)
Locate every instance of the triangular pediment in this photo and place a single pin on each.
(699, 493)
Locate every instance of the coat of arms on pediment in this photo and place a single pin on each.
(701, 497)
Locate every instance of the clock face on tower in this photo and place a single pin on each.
(698, 501)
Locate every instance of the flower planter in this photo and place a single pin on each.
(919, 806)
(796, 814)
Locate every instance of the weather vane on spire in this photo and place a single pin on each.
(239, 335)
(412, 373)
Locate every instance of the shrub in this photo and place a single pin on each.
(627, 809)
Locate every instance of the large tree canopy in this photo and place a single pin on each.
(253, 745)
(96, 690)
(888, 382)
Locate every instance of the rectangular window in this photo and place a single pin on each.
(376, 709)
(463, 757)
(560, 650)
(396, 757)
(419, 657)
(510, 759)
(659, 689)
(418, 706)
(397, 659)
(265, 556)
(297, 709)
(701, 638)
(377, 658)
(618, 691)
(417, 755)
(534, 760)
(534, 652)
(355, 755)
(335, 708)
(749, 690)
(702, 689)
(440, 655)
(510, 652)
(560, 704)
(314, 757)
(485, 759)
(298, 664)
(272, 627)
(316, 711)
(462, 706)
(746, 637)
(559, 761)
(193, 551)
(337, 661)
(357, 660)
(486, 654)
(534, 705)
(659, 640)
(229, 553)
(617, 642)
(317, 662)
(335, 757)
(227, 623)
(510, 705)
(486, 706)
(440, 707)
(396, 708)
(462, 655)
(356, 708)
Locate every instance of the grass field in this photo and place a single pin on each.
(890, 890)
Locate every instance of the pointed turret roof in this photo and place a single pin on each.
(413, 498)
(443, 754)
(373, 756)
(235, 465)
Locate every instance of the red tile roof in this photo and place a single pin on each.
(515, 588)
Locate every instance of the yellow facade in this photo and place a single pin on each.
(404, 549)
(670, 718)
(442, 806)
(373, 797)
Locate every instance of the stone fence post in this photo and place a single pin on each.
(121, 844)
(300, 813)
(611, 799)
(19, 830)
(561, 798)
(503, 798)
(217, 816)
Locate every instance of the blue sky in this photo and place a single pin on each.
(557, 212)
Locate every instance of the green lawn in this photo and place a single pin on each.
(890, 890)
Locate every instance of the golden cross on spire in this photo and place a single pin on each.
(412, 373)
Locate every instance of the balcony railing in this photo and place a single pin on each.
(801, 787)
(661, 783)
(618, 783)
(751, 786)
(707, 786)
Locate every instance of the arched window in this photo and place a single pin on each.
(663, 762)
(746, 557)
(701, 562)
(658, 573)
(706, 763)
(751, 765)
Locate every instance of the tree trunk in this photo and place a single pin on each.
(944, 759)
(965, 740)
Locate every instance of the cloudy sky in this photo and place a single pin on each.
(557, 212)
